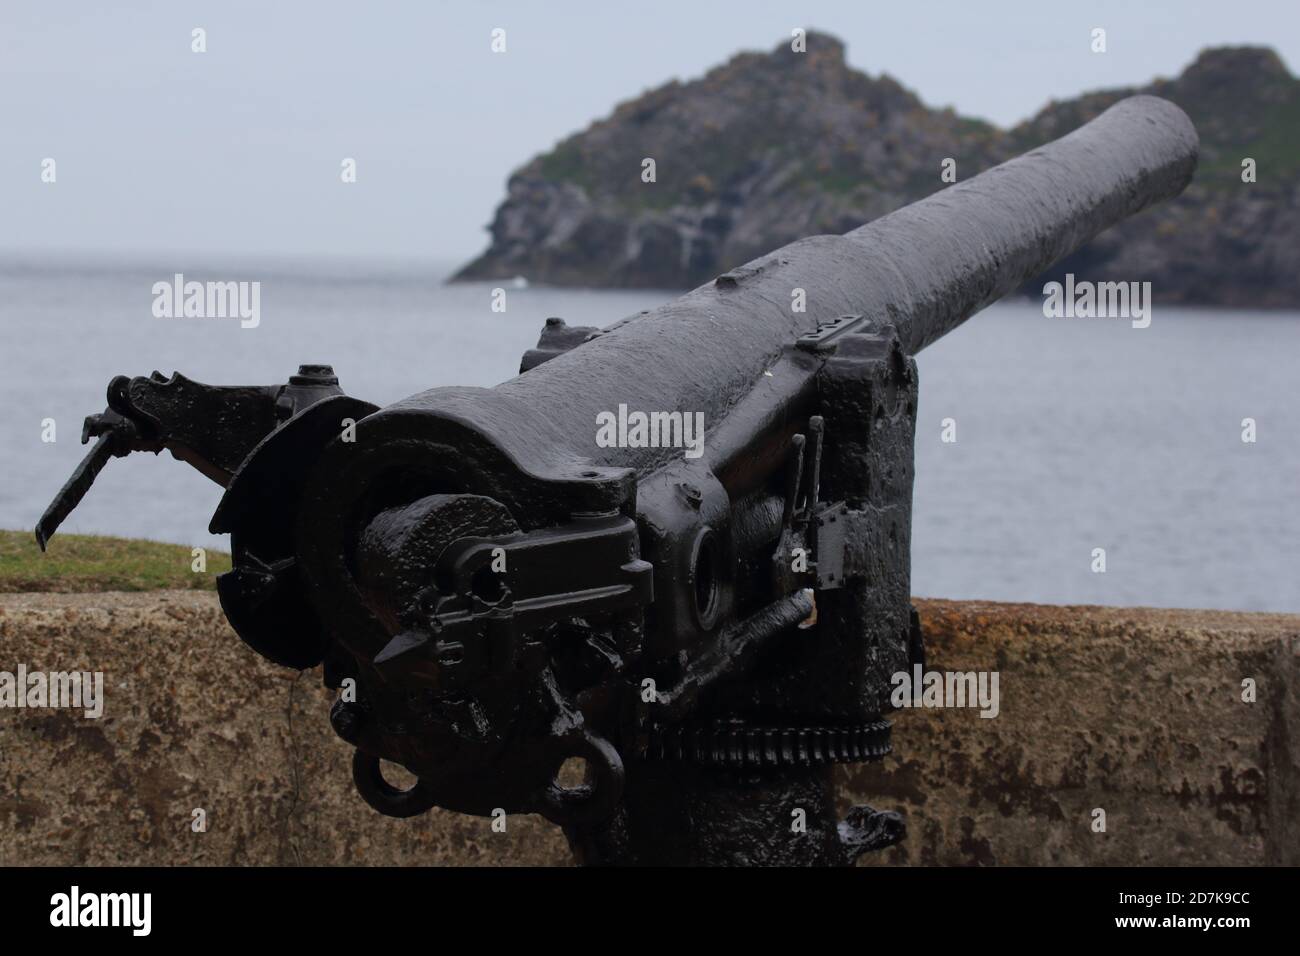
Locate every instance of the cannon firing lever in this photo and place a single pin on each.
(211, 427)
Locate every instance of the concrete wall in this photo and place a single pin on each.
(1137, 712)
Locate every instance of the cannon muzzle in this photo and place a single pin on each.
(935, 263)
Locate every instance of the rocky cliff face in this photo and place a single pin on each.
(769, 148)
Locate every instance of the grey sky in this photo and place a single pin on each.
(237, 151)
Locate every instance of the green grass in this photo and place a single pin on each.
(565, 163)
(76, 562)
(1275, 149)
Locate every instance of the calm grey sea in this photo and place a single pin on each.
(1072, 434)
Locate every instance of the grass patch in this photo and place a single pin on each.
(566, 163)
(1275, 148)
(76, 563)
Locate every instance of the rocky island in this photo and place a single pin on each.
(769, 148)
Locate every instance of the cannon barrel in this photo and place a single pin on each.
(926, 268)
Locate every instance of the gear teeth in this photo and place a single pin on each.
(736, 746)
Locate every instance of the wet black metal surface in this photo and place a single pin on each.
(494, 593)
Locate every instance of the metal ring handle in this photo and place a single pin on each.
(382, 795)
(589, 802)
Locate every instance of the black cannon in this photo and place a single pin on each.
(675, 549)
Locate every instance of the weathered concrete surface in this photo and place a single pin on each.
(193, 718)
(1138, 712)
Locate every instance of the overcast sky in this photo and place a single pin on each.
(238, 150)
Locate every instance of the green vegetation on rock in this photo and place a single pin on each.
(76, 563)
